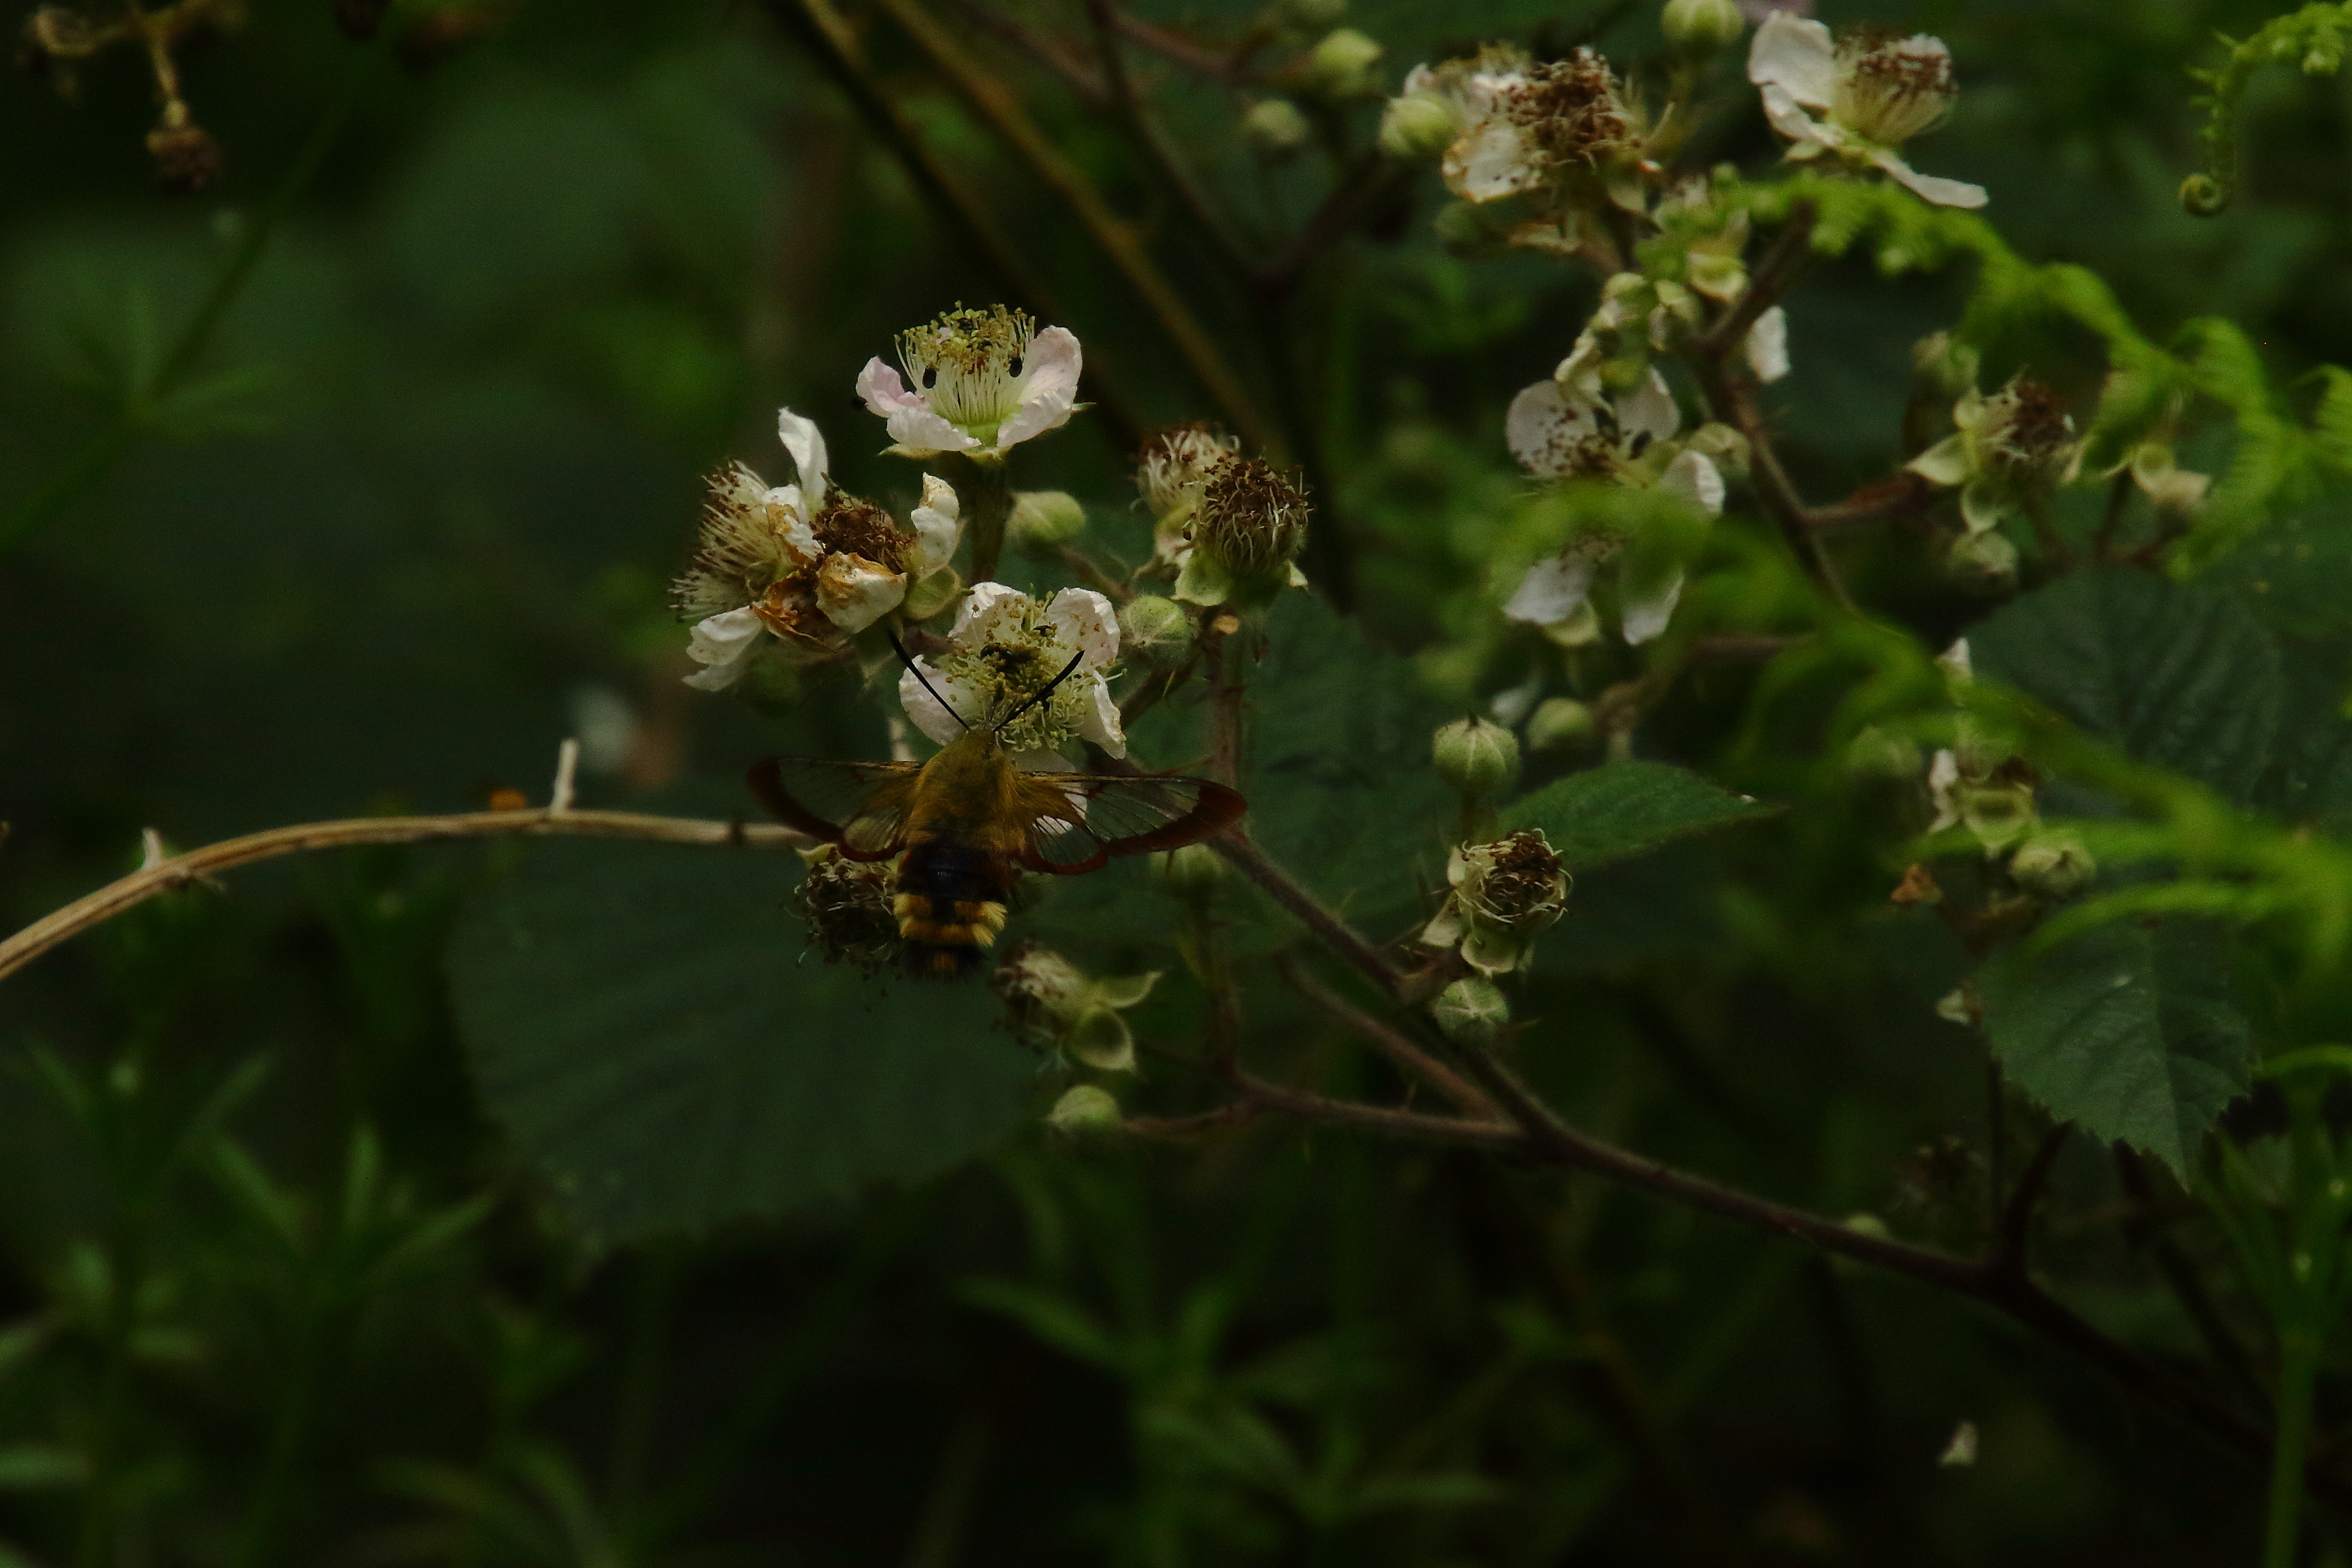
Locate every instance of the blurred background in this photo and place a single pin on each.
(399, 515)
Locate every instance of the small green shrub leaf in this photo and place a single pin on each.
(2127, 1030)
(1611, 812)
(642, 1022)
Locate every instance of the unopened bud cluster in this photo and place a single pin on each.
(1977, 785)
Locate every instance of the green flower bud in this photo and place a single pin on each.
(2202, 195)
(1999, 815)
(2054, 864)
(1418, 127)
(1044, 518)
(1276, 128)
(1309, 15)
(1155, 630)
(932, 594)
(1191, 873)
(1873, 753)
(1560, 721)
(1471, 1011)
(1084, 1111)
(1983, 562)
(1342, 65)
(1476, 756)
(1700, 27)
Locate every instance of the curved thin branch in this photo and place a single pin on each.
(164, 875)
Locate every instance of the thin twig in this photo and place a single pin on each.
(1158, 154)
(1283, 889)
(1310, 1106)
(197, 864)
(1398, 1049)
(2009, 1243)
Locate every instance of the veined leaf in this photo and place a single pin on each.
(2174, 674)
(2128, 1030)
(641, 1021)
(1611, 812)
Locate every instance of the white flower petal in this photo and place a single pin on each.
(937, 524)
(1489, 163)
(1544, 425)
(1051, 391)
(1552, 591)
(1649, 410)
(1935, 188)
(884, 390)
(1808, 134)
(1768, 345)
(854, 593)
(1098, 718)
(919, 433)
(1945, 463)
(1646, 609)
(806, 444)
(991, 610)
(1085, 621)
(1796, 55)
(723, 644)
(1695, 478)
(930, 714)
(1580, 373)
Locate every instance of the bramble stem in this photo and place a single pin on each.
(987, 502)
(199, 865)
(2299, 1355)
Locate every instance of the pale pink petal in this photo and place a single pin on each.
(1544, 426)
(1649, 410)
(1552, 590)
(885, 390)
(1694, 478)
(806, 444)
(1935, 188)
(1796, 55)
(938, 525)
(1084, 620)
(1051, 391)
(919, 433)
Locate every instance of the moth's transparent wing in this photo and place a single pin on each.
(1080, 822)
(861, 806)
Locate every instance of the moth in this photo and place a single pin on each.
(967, 822)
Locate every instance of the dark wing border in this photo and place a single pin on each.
(1125, 814)
(859, 807)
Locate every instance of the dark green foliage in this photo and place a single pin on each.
(2127, 1031)
(647, 1024)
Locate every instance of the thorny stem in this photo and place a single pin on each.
(1117, 238)
(1086, 567)
(1119, 89)
(201, 865)
(1399, 1049)
(1225, 659)
(90, 460)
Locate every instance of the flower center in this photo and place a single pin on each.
(971, 366)
(1889, 89)
(853, 527)
(1570, 109)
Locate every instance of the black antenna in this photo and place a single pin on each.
(916, 670)
(1046, 691)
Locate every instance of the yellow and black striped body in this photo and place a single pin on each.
(963, 833)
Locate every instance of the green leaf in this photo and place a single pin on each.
(38, 1466)
(2125, 1030)
(1611, 812)
(1340, 785)
(642, 1020)
(2174, 673)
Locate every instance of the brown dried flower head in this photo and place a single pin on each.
(1572, 109)
(1251, 519)
(846, 905)
(1174, 464)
